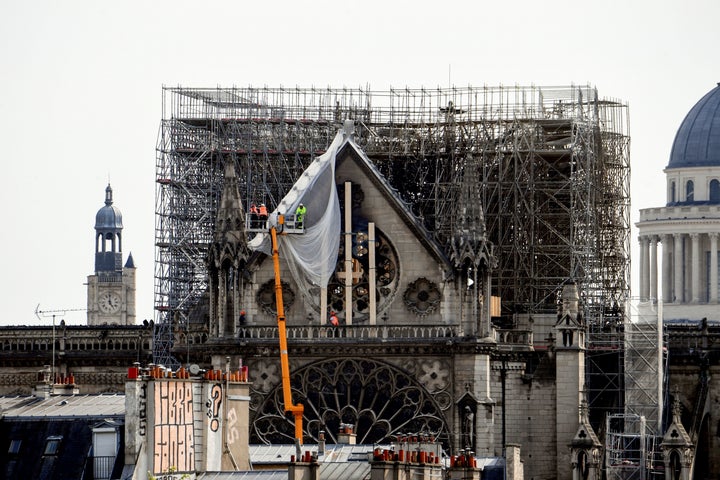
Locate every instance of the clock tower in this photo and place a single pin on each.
(111, 290)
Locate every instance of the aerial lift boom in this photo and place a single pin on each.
(296, 410)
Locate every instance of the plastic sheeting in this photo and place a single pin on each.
(312, 255)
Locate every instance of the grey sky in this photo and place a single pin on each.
(80, 96)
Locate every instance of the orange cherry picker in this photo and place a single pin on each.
(298, 409)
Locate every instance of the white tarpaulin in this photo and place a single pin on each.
(311, 255)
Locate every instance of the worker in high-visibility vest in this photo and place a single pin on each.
(253, 216)
(262, 215)
(300, 215)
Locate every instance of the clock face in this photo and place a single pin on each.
(109, 302)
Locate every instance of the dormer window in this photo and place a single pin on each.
(52, 446)
(690, 191)
(14, 447)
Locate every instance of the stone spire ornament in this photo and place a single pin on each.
(471, 253)
(227, 257)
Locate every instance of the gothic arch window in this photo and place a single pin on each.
(690, 191)
(582, 464)
(714, 191)
(675, 465)
(229, 271)
(378, 398)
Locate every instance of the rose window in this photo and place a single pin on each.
(377, 398)
(266, 296)
(422, 296)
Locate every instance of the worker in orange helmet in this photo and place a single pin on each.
(334, 319)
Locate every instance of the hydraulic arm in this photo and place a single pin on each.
(296, 410)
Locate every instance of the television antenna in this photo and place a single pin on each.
(40, 314)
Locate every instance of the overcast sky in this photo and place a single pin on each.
(80, 96)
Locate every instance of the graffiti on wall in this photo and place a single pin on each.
(213, 407)
(173, 427)
(232, 426)
(142, 424)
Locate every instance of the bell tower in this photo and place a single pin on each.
(111, 290)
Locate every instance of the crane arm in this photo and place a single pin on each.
(296, 410)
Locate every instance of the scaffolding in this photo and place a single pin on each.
(634, 428)
(554, 173)
(632, 450)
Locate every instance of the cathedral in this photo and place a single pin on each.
(429, 343)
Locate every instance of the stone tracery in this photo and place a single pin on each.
(377, 398)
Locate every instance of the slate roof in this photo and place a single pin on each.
(97, 406)
(277, 454)
(250, 475)
(340, 462)
(67, 421)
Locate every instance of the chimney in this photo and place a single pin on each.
(65, 385)
(411, 458)
(464, 467)
(321, 443)
(42, 388)
(347, 434)
(308, 468)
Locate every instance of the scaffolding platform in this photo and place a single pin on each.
(288, 226)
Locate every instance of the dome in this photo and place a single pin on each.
(109, 216)
(697, 142)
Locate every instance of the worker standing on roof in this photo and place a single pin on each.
(333, 319)
(262, 215)
(300, 215)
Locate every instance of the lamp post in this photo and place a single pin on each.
(52, 373)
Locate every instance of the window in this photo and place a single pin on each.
(14, 447)
(672, 192)
(714, 191)
(52, 445)
(690, 191)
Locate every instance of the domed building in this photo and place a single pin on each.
(684, 272)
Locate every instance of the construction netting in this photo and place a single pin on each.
(311, 252)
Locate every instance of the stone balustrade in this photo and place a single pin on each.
(381, 332)
(687, 212)
(512, 337)
(355, 332)
(81, 338)
(74, 338)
